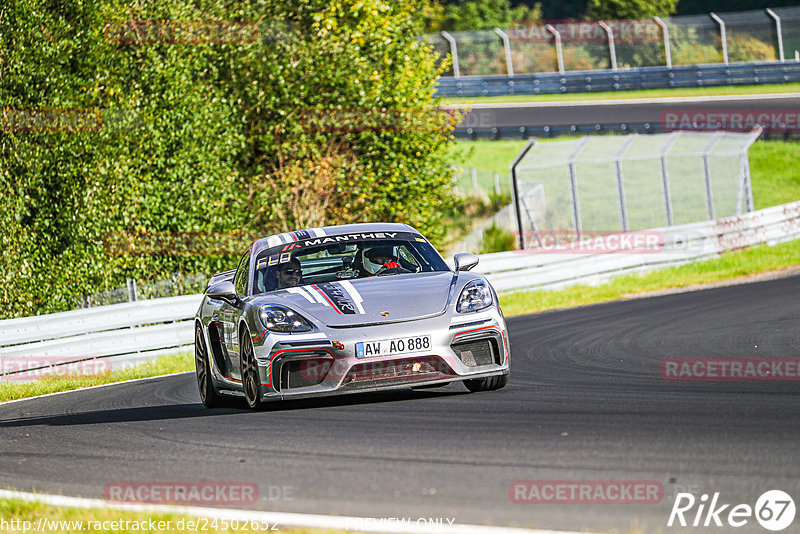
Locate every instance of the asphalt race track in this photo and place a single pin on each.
(585, 402)
(652, 111)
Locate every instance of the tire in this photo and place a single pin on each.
(251, 382)
(202, 362)
(489, 383)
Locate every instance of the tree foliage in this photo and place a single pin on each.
(211, 118)
(468, 15)
(630, 9)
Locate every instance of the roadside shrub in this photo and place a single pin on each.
(496, 239)
(203, 134)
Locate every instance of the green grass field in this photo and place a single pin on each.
(773, 166)
(729, 266)
(645, 93)
(26, 516)
(11, 390)
(775, 179)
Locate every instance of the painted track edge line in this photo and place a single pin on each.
(12, 401)
(281, 518)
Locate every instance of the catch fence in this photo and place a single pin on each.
(609, 184)
(541, 47)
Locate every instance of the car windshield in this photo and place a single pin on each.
(346, 257)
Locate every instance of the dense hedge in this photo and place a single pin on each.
(140, 141)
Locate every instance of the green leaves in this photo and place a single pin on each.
(205, 133)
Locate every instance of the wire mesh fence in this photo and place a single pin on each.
(610, 184)
(756, 35)
(471, 182)
(179, 284)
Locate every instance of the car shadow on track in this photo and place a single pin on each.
(190, 410)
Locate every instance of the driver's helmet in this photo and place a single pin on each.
(376, 257)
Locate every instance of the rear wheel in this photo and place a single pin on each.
(489, 383)
(208, 395)
(251, 382)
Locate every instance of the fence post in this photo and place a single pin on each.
(474, 174)
(755, 134)
(497, 183)
(780, 34)
(131, 282)
(573, 186)
(611, 50)
(665, 176)
(515, 190)
(665, 30)
(722, 34)
(707, 172)
(559, 50)
(507, 46)
(623, 210)
(453, 52)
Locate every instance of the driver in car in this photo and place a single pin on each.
(289, 274)
(380, 260)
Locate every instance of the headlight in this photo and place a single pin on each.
(283, 319)
(475, 296)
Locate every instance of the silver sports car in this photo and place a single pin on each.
(341, 309)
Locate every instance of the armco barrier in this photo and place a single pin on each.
(144, 329)
(527, 270)
(621, 80)
(132, 331)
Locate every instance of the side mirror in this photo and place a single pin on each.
(464, 261)
(222, 290)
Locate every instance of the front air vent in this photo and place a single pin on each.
(304, 372)
(406, 370)
(477, 352)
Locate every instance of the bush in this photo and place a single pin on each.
(202, 137)
(496, 239)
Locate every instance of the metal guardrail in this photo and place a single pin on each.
(531, 270)
(621, 80)
(122, 332)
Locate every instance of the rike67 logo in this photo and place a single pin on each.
(774, 510)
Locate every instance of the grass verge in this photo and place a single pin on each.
(773, 166)
(11, 390)
(729, 266)
(21, 513)
(625, 95)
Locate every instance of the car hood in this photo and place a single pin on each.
(380, 299)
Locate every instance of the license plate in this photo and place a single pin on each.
(391, 347)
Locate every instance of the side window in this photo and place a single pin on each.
(242, 274)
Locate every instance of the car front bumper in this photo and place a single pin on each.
(325, 362)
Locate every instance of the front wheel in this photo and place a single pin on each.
(251, 382)
(489, 383)
(208, 395)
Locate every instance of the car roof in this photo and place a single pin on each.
(326, 231)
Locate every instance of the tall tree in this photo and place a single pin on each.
(630, 9)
